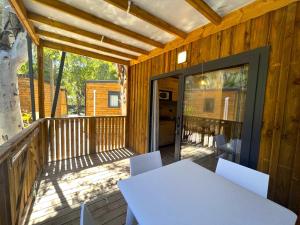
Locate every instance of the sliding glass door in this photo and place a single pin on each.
(219, 109)
(213, 114)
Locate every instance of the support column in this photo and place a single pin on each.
(58, 83)
(31, 77)
(41, 94)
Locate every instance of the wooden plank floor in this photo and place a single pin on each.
(66, 184)
(91, 180)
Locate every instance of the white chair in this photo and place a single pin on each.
(223, 146)
(249, 179)
(85, 216)
(141, 164)
(146, 162)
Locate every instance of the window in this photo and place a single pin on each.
(209, 105)
(113, 99)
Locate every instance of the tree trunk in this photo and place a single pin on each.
(10, 111)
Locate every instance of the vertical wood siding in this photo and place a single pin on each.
(280, 134)
(102, 89)
(25, 101)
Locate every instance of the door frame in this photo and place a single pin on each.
(257, 60)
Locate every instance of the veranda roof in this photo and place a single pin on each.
(117, 30)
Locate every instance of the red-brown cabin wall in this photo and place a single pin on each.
(102, 89)
(25, 100)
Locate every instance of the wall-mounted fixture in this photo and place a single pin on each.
(181, 57)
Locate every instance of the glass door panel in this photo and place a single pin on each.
(213, 115)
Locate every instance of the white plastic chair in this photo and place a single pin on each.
(85, 216)
(249, 179)
(141, 164)
(223, 146)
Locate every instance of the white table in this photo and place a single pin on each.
(185, 193)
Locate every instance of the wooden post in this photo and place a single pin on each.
(5, 205)
(31, 76)
(58, 82)
(41, 94)
(92, 134)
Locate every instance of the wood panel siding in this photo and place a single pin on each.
(280, 134)
(102, 89)
(25, 101)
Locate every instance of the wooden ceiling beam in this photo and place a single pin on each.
(66, 8)
(84, 44)
(78, 51)
(148, 17)
(42, 19)
(21, 12)
(202, 7)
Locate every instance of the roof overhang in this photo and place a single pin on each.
(124, 31)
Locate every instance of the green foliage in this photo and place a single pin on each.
(77, 70)
(27, 119)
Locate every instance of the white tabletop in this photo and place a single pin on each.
(185, 193)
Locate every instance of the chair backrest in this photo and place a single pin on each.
(220, 140)
(85, 216)
(143, 163)
(249, 179)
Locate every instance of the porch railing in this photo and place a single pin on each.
(210, 127)
(73, 137)
(21, 161)
(24, 156)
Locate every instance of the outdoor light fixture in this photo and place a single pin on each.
(181, 57)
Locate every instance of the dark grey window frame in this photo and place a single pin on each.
(108, 99)
(258, 61)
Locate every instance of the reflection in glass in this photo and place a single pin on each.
(214, 104)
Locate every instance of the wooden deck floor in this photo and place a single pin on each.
(91, 180)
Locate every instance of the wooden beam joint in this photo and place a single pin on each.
(202, 7)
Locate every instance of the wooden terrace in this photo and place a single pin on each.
(51, 167)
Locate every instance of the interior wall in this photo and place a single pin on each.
(280, 134)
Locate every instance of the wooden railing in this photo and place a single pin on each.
(73, 137)
(210, 127)
(21, 161)
(24, 156)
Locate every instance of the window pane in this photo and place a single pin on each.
(114, 100)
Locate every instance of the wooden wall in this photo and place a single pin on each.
(102, 89)
(25, 101)
(280, 134)
(169, 84)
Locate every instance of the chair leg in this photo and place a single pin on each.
(130, 218)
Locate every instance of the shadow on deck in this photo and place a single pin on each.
(91, 179)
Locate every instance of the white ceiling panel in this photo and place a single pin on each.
(57, 15)
(176, 12)
(82, 38)
(84, 48)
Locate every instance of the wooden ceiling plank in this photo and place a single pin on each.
(78, 51)
(84, 44)
(66, 8)
(21, 12)
(148, 17)
(42, 19)
(202, 7)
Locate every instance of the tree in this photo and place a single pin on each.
(13, 51)
(78, 70)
